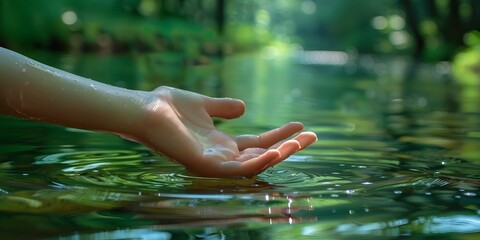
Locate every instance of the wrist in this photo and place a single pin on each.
(156, 118)
(131, 112)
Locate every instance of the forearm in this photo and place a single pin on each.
(36, 91)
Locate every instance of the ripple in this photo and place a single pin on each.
(142, 171)
(109, 168)
(83, 156)
(271, 178)
(291, 178)
(286, 176)
(163, 180)
(132, 181)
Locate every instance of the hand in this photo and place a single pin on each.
(179, 125)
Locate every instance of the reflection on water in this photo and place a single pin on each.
(395, 158)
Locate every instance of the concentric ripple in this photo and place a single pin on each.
(108, 168)
(143, 171)
(86, 156)
(289, 178)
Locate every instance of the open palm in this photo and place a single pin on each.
(180, 127)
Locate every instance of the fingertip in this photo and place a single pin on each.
(239, 101)
(296, 123)
(311, 135)
(237, 109)
(295, 126)
(306, 138)
(240, 105)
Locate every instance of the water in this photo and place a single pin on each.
(397, 156)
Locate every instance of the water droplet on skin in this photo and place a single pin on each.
(92, 86)
(24, 70)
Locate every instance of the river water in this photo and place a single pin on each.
(398, 155)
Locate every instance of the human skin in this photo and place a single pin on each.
(172, 122)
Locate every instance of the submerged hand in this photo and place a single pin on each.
(179, 126)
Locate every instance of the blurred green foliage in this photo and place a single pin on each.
(110, 26)
(466, 69)
(430, 30)
(466, 65)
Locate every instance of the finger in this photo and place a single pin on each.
(290, 147)
(306, 139)
(286, 149)
(224, 107)
(267, 139)
(249, 167)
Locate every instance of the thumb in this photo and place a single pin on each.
(224, 107)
